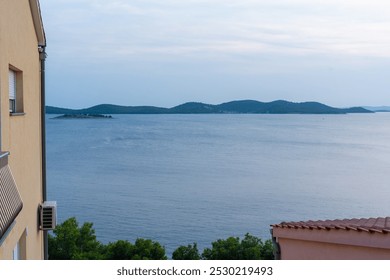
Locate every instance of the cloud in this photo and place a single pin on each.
(123, 30)
(174, 50)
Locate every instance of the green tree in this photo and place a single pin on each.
(143, 249)
(63, 246)
(228, 249)
(119, 250)
(189, 252)
(146, 249)
(268, 250)
(249, 248)
(71, 242)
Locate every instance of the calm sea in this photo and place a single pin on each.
(179, 179)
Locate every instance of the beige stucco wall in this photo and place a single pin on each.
(21, 135)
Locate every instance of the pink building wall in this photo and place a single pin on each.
(335, 244)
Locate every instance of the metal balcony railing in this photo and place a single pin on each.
(10, 201)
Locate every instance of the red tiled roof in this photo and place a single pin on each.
(380, 225)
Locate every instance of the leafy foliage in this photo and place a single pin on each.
(228, 249)
(71, 242)
(249, 248)
(119, 250)
(268, 250)
(146, 249)
(189, 252)
(143, 249)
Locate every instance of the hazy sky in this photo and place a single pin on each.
(167, 52)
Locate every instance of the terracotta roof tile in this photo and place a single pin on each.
(379, 225)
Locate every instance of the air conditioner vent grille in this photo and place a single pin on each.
(48, 215)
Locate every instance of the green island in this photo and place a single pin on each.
(83, 116)
(233, 107)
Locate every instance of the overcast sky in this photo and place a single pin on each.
(167, 52)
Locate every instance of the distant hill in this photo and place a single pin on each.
(108, 109)
(278, 107)
(233, 107)
(378, 108)
(57, 110)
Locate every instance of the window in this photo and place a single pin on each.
(15, 90)
(16, 252)
(12, 91)
(19, 252)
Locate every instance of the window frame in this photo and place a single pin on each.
(12, 90)
(15, 91)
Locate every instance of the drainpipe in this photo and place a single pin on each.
(42, 58)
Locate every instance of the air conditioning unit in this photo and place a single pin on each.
(48, 213)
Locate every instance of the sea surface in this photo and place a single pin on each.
(179, 179)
